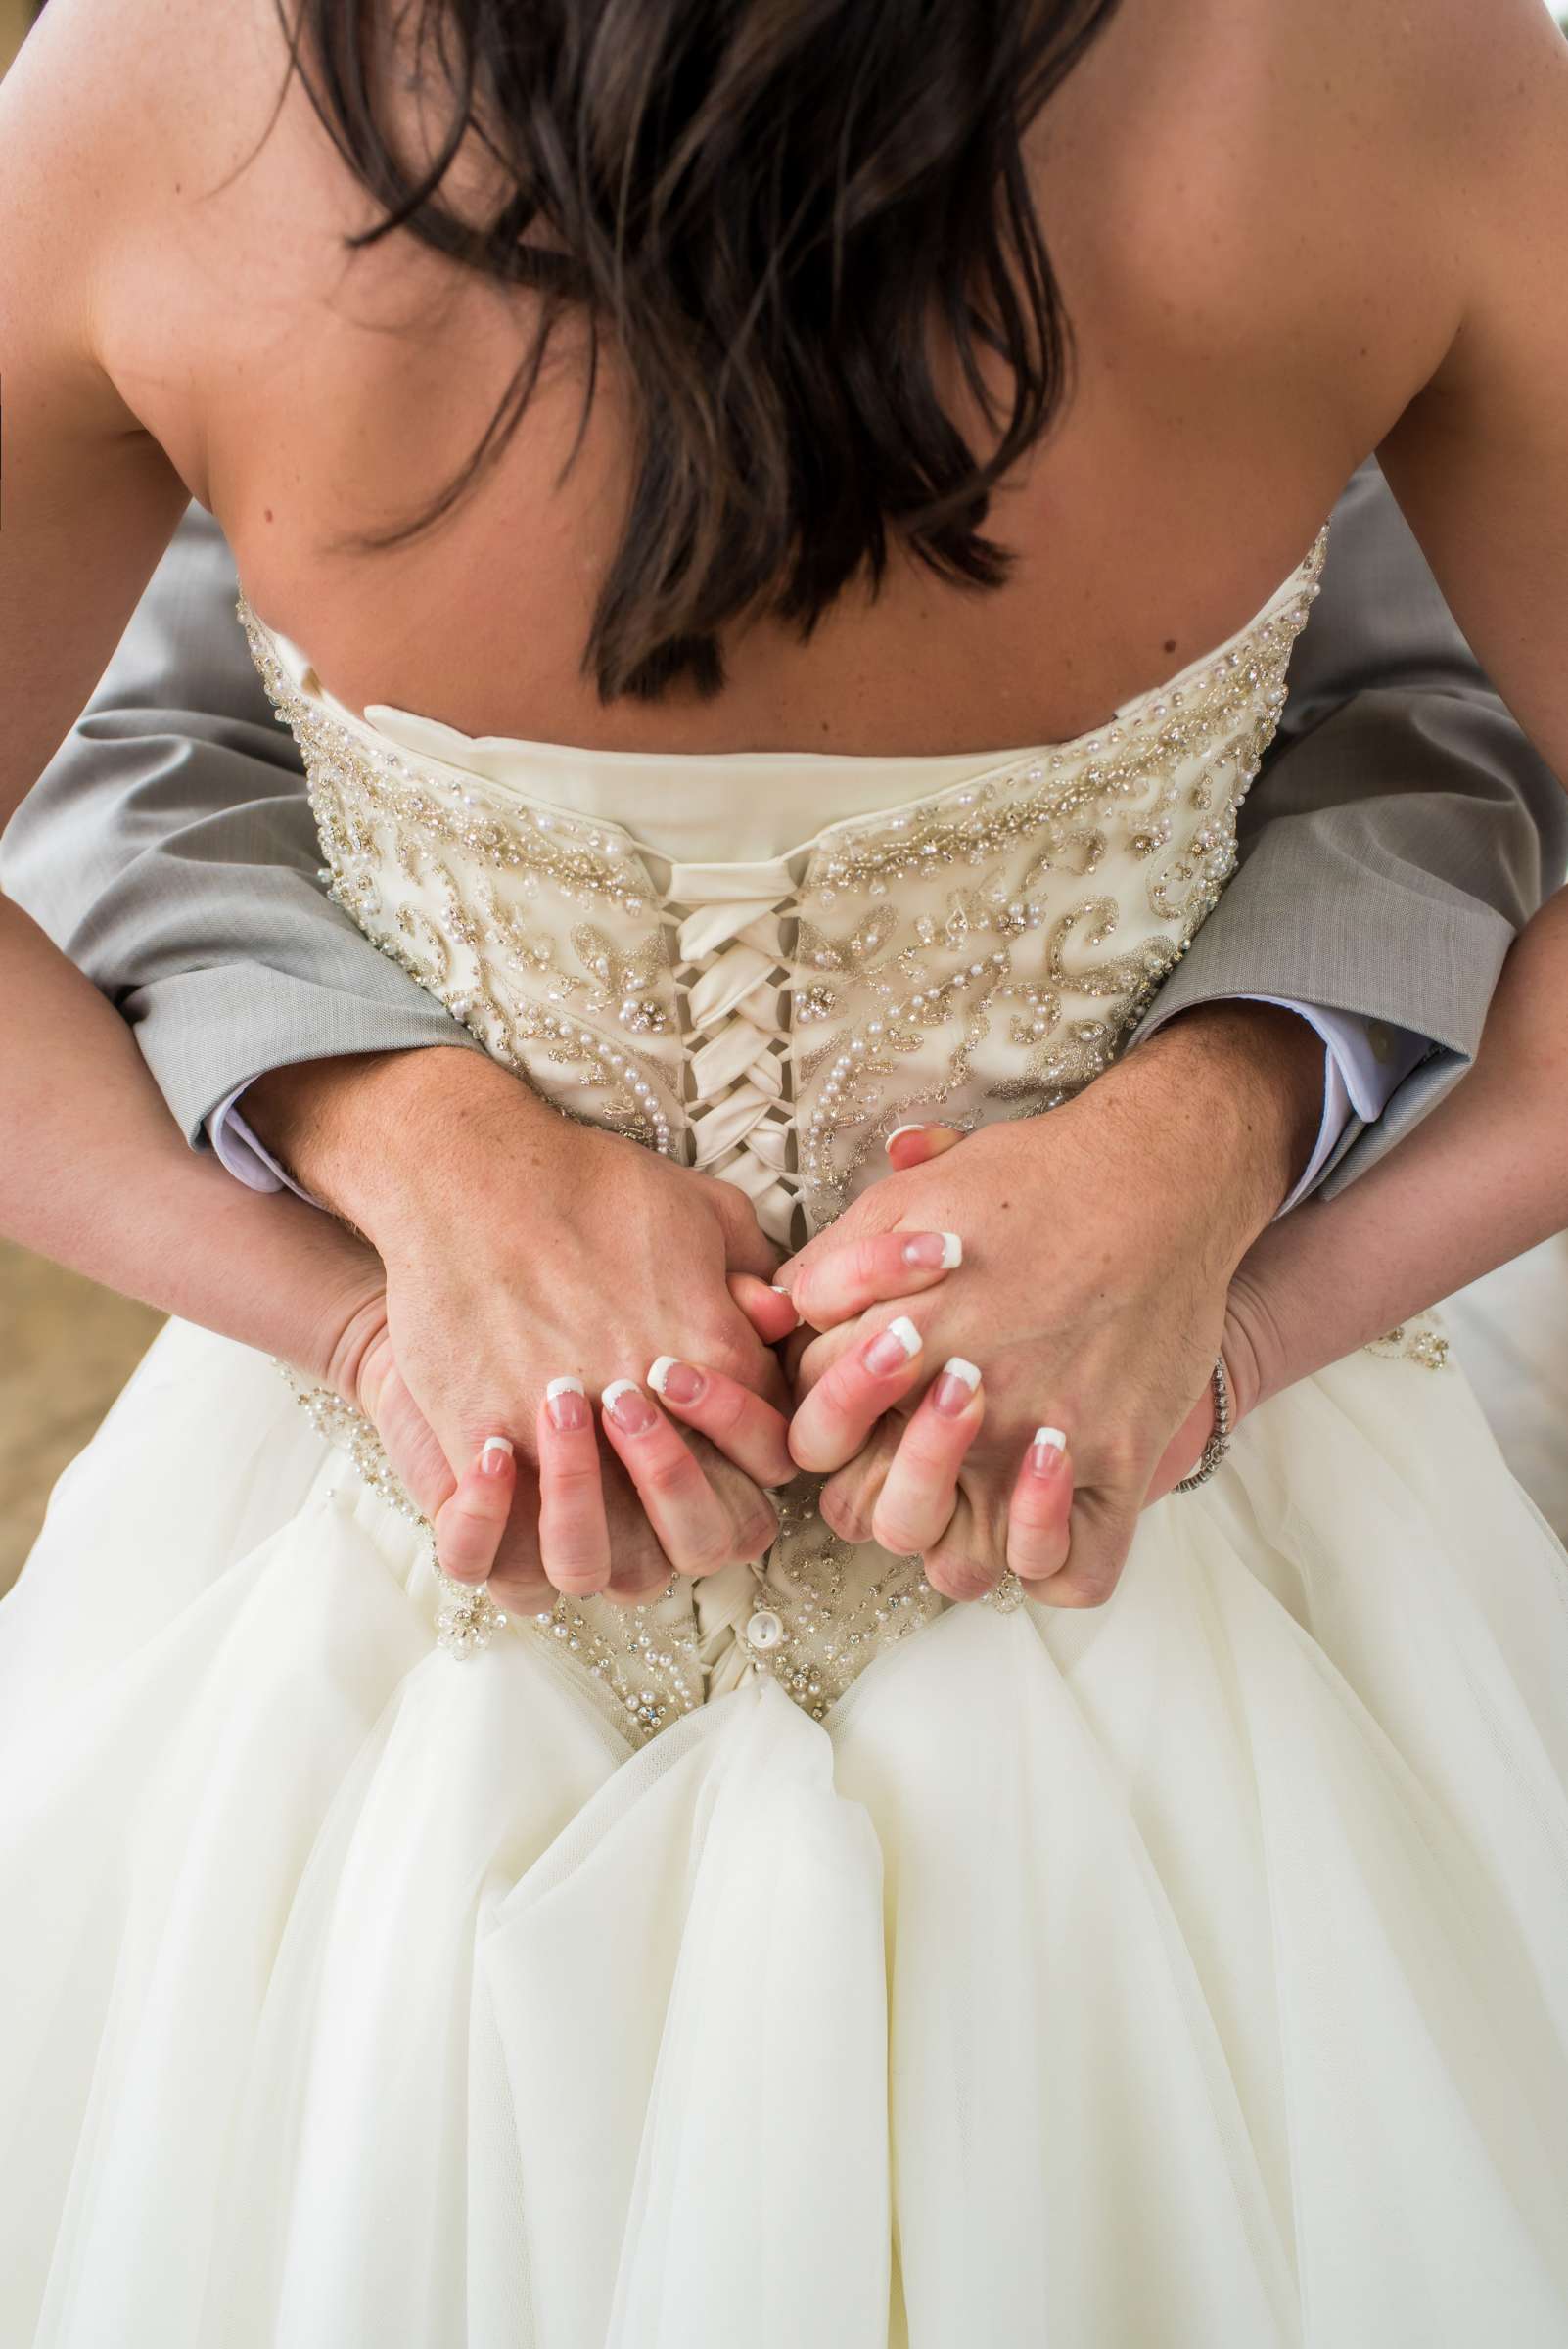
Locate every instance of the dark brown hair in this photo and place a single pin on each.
(765, 203)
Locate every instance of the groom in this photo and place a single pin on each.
(1400, 832)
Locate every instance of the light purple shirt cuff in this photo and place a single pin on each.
(244, 1155)
(1365, 1064)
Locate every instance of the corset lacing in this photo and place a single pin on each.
(732, 953)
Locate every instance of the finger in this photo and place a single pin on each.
(470, 1521)
(691, 1522)
(639, 1570)
(574, 1531)
(518, 1572)
(738, 1423)
(768, 1309)
(909, 1146)
(810, 1358)
(733, 1344)
(970, 1557)
(840, 1283)
(1039, 1511)
(842, 1408)
(921, 1490)
(753, 1518)
(850, 1496)
(1100, 1534)
(747, 1247)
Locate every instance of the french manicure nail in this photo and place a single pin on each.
(893, 1347)
(934, 1251)
(676, 1381)
(788, 1299)
(628, 1407)
(1046, 1451)
(896, 1130)
(954, 1389)
(494, 1452)
(567, 1402)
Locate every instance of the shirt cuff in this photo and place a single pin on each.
(1365, 1064)
(244, 1154)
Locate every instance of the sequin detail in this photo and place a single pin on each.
(1420, 1339)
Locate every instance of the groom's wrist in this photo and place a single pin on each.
(1249, 1077)
(374, 1135)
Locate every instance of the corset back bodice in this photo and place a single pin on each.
(760, 963)
(763, 962)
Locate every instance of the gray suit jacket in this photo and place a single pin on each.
(1399, 834)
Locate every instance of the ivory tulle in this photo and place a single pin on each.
(1189, 1973)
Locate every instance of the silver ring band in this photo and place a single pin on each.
(1219, 1443)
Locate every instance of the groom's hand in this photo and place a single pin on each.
(523, 1248)
(1098, 1247)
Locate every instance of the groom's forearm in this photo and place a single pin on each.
(385, 1139)
(1245, 1082)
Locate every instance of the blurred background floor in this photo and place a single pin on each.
(69, 1347)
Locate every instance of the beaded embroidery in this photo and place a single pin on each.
(1419, 1340)
(825, 1621)
(983, 951)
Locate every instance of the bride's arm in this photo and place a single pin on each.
(1479, 463)
(92, 1170)
(95, 1173)
(1479, 459)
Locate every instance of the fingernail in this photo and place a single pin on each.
(896, 1130)
(954, 1389)
(788, 1299)
(628, 1407)
(1045, 1453)
(678, 1381)
(893, 1347)
(568, 1404)
(494, 1452)
(934, 1251)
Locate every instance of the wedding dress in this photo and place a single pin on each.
(800, 1959)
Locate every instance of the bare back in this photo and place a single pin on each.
(1204, 181)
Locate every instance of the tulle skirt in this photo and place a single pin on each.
(1186, 1973)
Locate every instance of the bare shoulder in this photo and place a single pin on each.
(114, 115)
(1287, 180)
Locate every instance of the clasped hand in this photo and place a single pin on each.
(1011, 1414)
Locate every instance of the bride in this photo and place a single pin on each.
(1116, 1929)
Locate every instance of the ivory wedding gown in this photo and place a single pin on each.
(798, 1960)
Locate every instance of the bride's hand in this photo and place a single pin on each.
(522, 1249)
(469, 1503)
(1098, 1249)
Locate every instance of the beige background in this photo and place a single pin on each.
(66, 1346)
(14, 19)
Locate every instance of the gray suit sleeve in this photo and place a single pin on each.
(1401, 832)
(169, 848)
